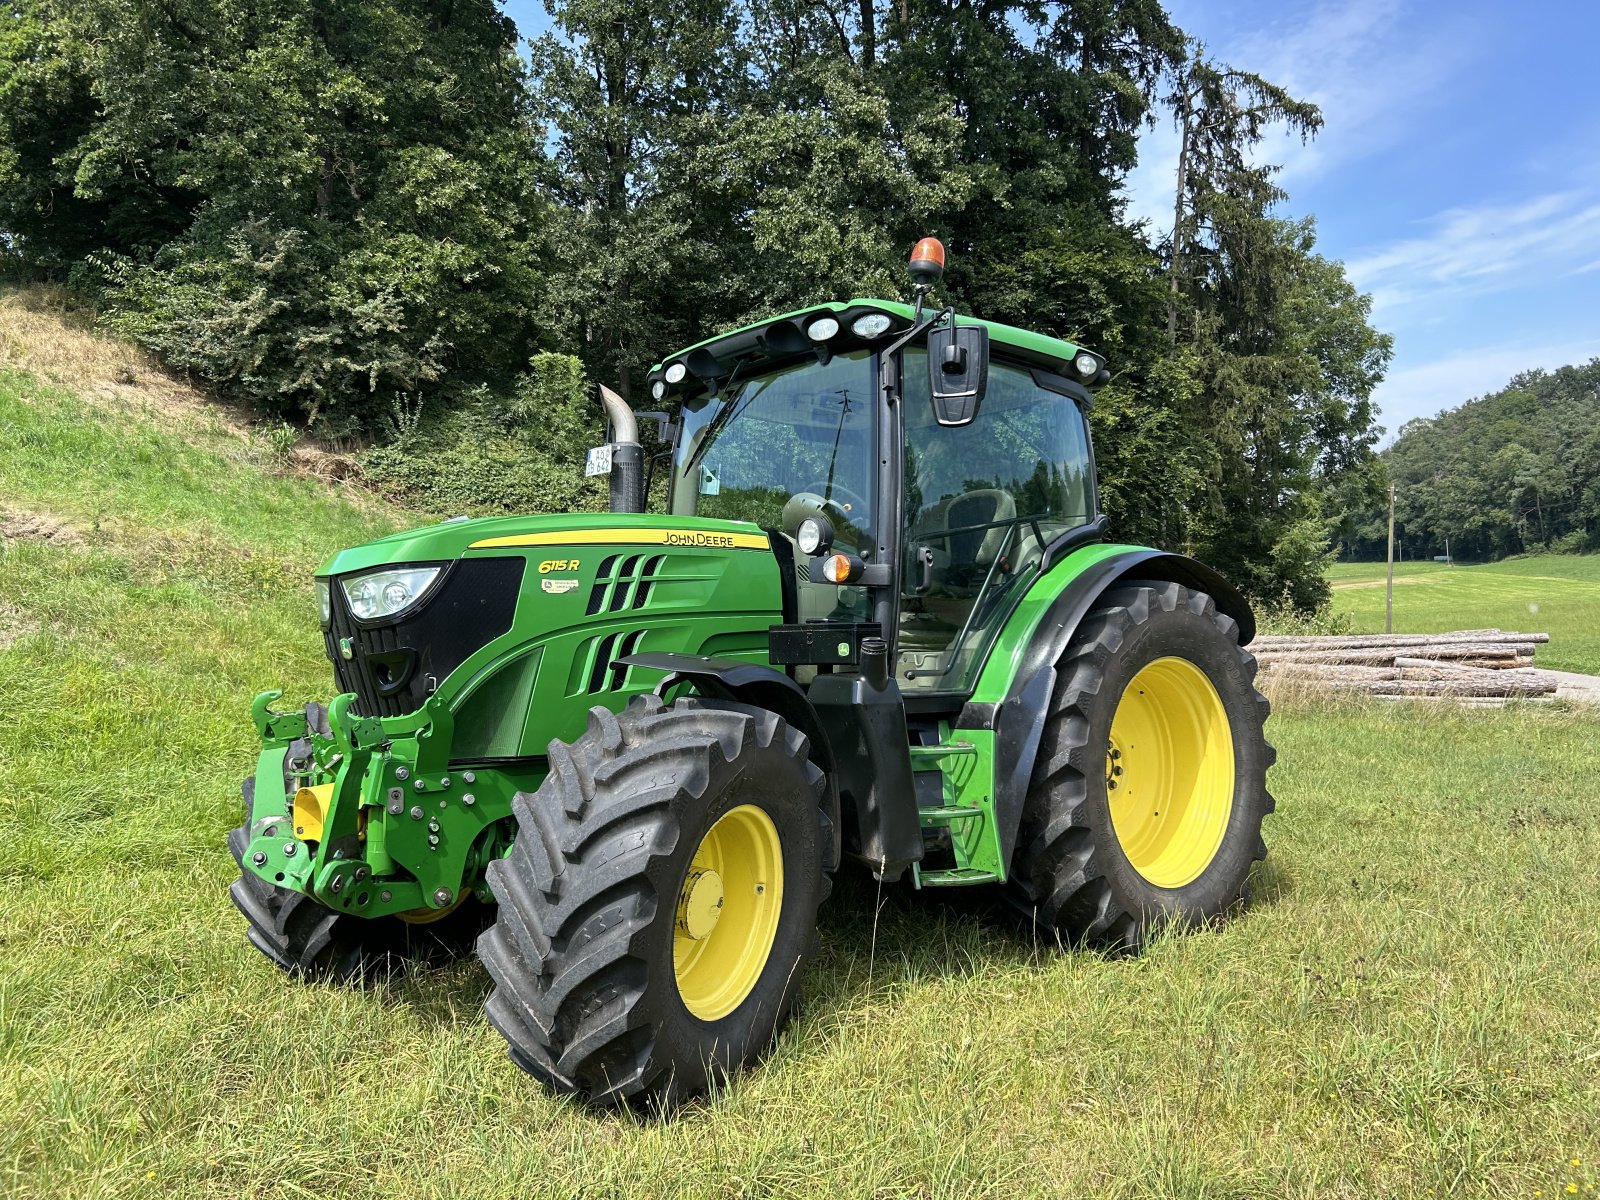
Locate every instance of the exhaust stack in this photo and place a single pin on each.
(627, 455)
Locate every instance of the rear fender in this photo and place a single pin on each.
(1018, 720)
(763, 687)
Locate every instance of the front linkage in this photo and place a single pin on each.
(367, 816)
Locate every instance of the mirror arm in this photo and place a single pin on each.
(919, 327)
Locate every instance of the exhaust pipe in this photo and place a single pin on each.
(627, 455)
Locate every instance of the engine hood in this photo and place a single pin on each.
(450, 540)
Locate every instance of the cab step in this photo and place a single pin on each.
(942, 751)
(954, 877)
(947, 814)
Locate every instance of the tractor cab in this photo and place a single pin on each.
(822, 427)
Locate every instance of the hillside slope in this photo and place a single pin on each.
(1407, 1009)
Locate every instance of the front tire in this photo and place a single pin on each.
(1149, 791)
(659, 902)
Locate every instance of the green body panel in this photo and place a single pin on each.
(970, 778)
(1005, 656)
(402, 803)
(1033, 344)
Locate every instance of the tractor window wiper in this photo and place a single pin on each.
(722, 420)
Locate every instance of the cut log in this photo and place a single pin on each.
(1381, 656)
(1520, 663)
(1365, 641)
(1494, 685)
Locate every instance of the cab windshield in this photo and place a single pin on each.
(778, 447)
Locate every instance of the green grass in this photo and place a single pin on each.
(1553, 593)
(1409, 1008)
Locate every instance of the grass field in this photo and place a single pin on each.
(1409, 1008)
(1555, 593)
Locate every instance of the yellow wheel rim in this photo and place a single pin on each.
(1169, 772)
(728, 909)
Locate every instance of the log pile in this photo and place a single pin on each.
(1471, 664)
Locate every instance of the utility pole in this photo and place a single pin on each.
(1388, 602)
(1448, 561)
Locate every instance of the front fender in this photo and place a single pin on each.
(762, 687)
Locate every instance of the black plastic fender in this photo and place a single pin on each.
(764, 687)
(1018, 720)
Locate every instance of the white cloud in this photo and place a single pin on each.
(1490, 248)
(1373, 77)
(1448, 382)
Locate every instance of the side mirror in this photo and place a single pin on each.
(958, 371)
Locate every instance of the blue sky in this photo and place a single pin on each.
(1457, 175)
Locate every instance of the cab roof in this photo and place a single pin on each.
(1035, 348)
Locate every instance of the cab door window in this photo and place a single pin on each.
(982, 501)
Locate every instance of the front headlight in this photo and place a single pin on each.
(324, 600)
(388, 593)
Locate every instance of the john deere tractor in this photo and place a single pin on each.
(878, 622)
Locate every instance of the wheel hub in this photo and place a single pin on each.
(700, 904)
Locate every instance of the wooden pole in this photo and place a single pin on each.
(1388, 600)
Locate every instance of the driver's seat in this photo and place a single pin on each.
(955, 554)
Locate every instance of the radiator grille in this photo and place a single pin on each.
(394, 668)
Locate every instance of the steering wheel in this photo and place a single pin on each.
(852, 505)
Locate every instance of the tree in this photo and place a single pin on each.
(632, 92)
(312, 206)
(1276, 344)
(1505, 473)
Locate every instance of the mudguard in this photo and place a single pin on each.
(1018, 719)
(763, 687)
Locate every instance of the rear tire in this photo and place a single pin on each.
(1149, 791)
(309, 941)
(659, 902)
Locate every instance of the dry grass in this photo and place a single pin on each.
(51, 335)
(45, 331)
(17, 524)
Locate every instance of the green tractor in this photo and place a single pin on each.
(879, 621)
